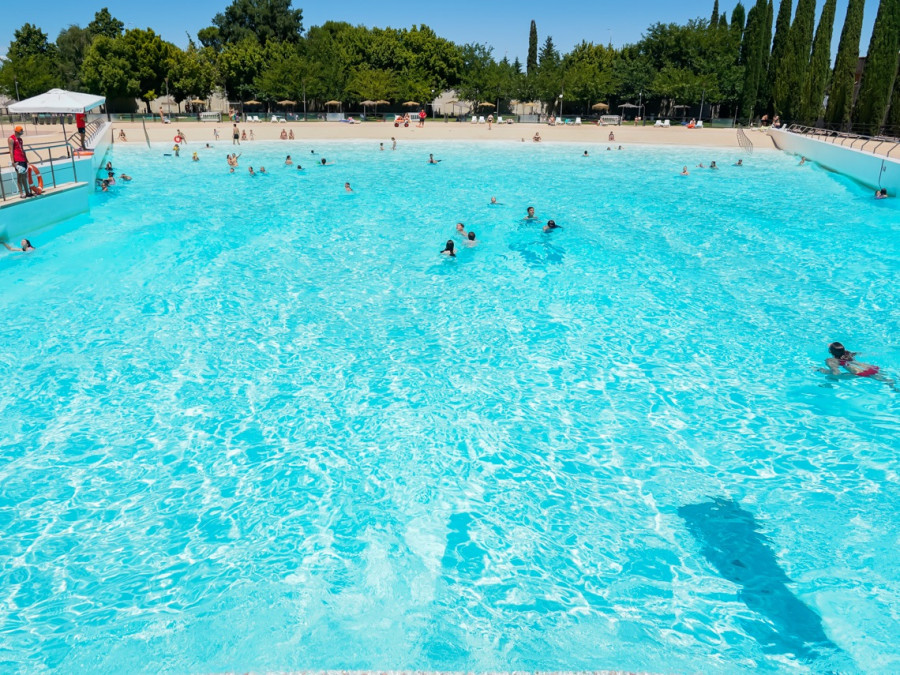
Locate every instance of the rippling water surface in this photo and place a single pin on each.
(259, 423)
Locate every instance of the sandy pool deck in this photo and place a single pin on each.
(437, 130)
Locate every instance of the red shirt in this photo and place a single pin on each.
(18, 150)
(79, 120)
(421, 114)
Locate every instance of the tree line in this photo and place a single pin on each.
(750, 64)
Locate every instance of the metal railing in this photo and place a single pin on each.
(743, 140)
(42, 150)
(91, 131)
(851, 140)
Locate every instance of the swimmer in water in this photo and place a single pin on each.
(740, 162)
(252, 172)
(619, 148)
(684, 171)
(585, 154)
(432, 160)
(347, 187)
(841, 358)
(381, 147)
(712, 165)
(299, 168)
(881, 194)
(325, 162)
(448, 249)
(608, 148)
(288, 161)
(262, 169)
(461, 229)
(124, 176)
(494, 201)
(393, 143)
(551, 225)
(470, 240)
(194, 157)
(530, 213)
(700, 166)
(25, 244)
(802, 161)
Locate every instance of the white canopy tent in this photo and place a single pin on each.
(58, 101)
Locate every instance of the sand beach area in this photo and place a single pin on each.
(438, 130)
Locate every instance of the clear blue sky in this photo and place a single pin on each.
(503, 25)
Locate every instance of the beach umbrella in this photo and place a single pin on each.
(367, 103)
(251, 102)
(381, 101)
(287, 101)
(330, 103)
(411, 104)
(628, 105)
(486, 104)
(197, 101)
(600, 106)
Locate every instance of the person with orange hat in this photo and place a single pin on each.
(19, 162)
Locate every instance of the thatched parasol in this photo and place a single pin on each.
(600, 106)
(411, 104)
(486, 104)
(332, 103)
(287, 101)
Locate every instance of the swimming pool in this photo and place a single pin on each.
(260, 424)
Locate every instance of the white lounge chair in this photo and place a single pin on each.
(481, 119)
(499, 120)
(699, 125)
(666, 123)
(659, 123)
(474, 119)
(577, 121)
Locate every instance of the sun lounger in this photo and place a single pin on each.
(481, 119)
(577, 121)
(474, 119)
(659, 123)
(666, 123)
(699, 125)
(499, 120)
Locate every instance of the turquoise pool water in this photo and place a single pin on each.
(260, 424)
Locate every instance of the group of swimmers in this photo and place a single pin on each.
(470, 240)
(110, 180)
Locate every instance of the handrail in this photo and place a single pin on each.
(36, 149)
(844, 137)
(744, 141)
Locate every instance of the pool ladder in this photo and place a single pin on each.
(744, 141)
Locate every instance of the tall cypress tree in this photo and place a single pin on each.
(752, 57)
(880, 69)
(723, 21)
(840, 97)
(738, 16)
(714, 19)
(777, 95)
(531, 62)
(817, 75)
(893, 121)
(796, 58)
(764, 92)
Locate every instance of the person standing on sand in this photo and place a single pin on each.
(235, 136)
(422, 117)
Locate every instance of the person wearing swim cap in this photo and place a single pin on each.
(19, 161)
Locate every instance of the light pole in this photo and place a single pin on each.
(16, 80)
(168, 100)
(560, 104)
(702, 101)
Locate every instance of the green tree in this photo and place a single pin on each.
(72, 44)
(31, 66)
(765, 93)
(738, 17)
(714, 18)
(107, 69)
(792, 72)
(190, 73)
(326, 66)
(779, 47)
(105, 24)
(532, 61)
(239, 64)
(753, 54)
(880, 69)
(819, 70)
(478, 76)
(723, 21)
(262, 20)
(840, 97)
(211, 38)
(549, 80)
(893, 121)
(373, 84)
